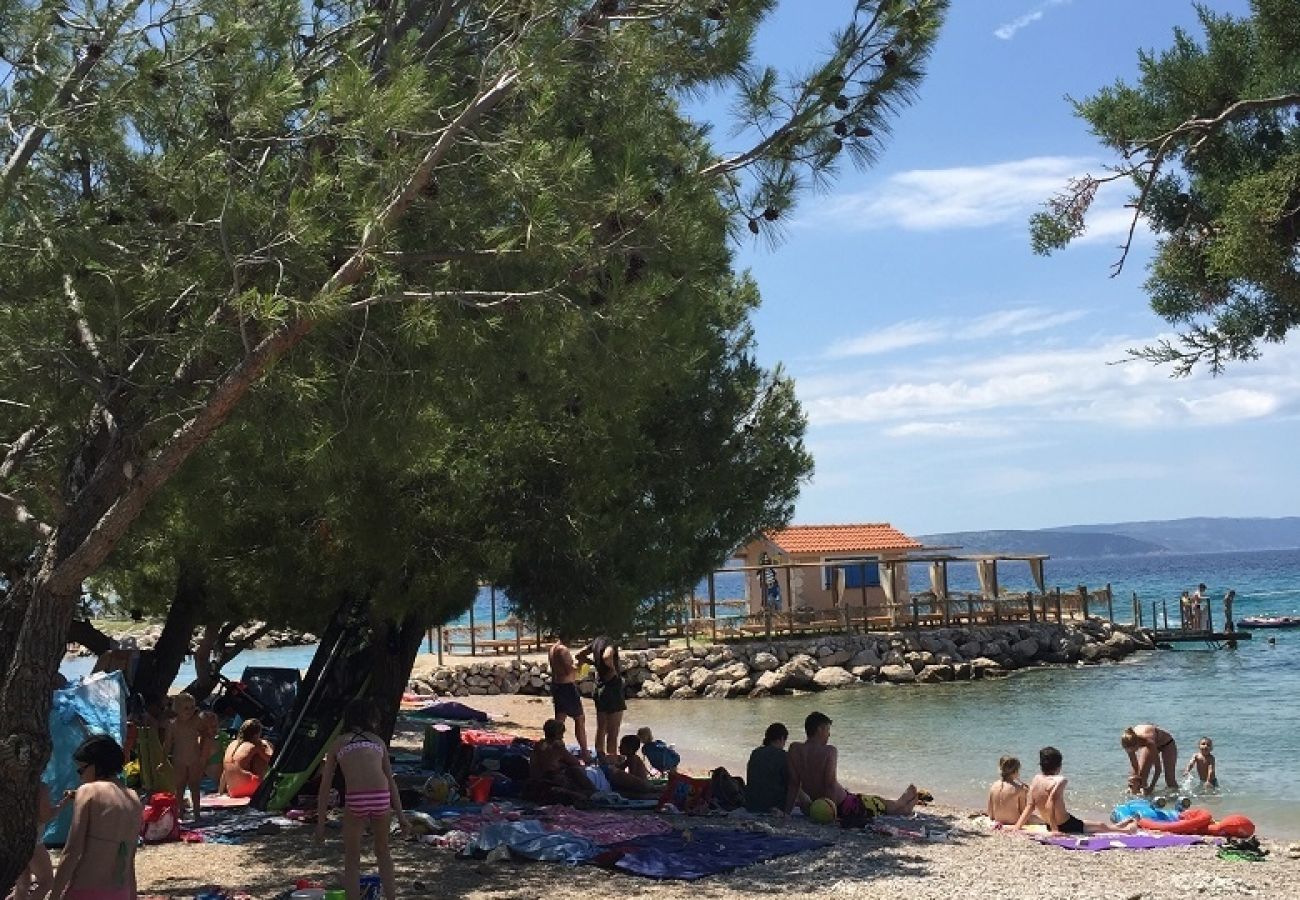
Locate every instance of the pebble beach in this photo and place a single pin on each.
(972, 862)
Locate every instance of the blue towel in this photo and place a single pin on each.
(708, 852)
(529, 839)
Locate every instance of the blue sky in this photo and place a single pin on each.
(952, 379)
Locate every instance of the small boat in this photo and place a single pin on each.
(1269, 622)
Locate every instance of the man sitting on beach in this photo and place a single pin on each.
(813, 769)
(1047, 800)
(554, 774)
(767, 776)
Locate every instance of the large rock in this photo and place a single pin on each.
(1025, 650)
(961, 671)
(733, 672)
(837, 658)
(799, 672)
(865, 673)
(982, 667)
(866, 657)
(661, 667)
(833, 677)
(918, 660)
(741, 686)
(683, 693)
(1122, 643)
(765, 662)
(678, 678)
(1094, 653)
(718, 689)
(770, 682)
(935, 674)
(654, 690)
(971, 649)
(898, 674)
(702, 678)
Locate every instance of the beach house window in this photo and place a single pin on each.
(857, 573)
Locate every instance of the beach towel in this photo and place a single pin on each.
(602, 827)
(531, 840)
(1095, 843)
(700, 852)
(221, 801)
(457, 712)
(613, 800)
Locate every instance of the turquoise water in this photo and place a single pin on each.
(948, 737)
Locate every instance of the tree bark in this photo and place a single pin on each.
(159, 666)
(392, 652)
(87, 635)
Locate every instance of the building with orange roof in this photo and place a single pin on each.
(821, 567)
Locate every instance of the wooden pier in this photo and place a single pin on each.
(1189, 636)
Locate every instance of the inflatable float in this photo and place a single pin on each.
(1195, 820)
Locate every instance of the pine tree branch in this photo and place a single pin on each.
(23, 516)
(19, 449)
(22, 155)
(475, 299)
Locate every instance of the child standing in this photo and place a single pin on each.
(1203, 763)
(1007, 795)
(660, 755)
(185, 745)
(371, 795)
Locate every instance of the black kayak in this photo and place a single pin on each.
(1269, 622)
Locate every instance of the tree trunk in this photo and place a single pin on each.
(393, 652)
(159, 666)
(34, 620)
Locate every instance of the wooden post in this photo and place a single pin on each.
(789, 598)
(1228, 624)
(1155, 619)
(713, 606)
(1083, 600)
(1110, 604)
(1029, 603)
(1056, 596)
(767, 621)
(1137, 611)
(862, 583)
(970, 608)
(1165, 607)
(429, 637)
(492, 592)
(916, 613)
(442, 638)
(1209, 616)
(471, 629)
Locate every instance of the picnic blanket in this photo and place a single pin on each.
(601, 827)
(700, 852)
(1095, 843)
(456, 712)
(531, 840)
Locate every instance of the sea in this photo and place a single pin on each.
(948, 738)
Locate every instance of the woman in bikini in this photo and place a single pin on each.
(1150, 750)
(246, 761)
(98, 861)
(371, 795)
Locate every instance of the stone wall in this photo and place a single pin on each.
(815, 663)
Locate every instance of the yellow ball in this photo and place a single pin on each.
(822, 811)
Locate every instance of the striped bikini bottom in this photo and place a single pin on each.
(368, 804)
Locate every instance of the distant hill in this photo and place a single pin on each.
(1054, 543)
(1198, 535)
(1204, 534)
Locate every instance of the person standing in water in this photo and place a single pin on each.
(565, 699)
(371, 796)
(1151, 750)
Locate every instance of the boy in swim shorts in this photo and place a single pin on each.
(1047, 800)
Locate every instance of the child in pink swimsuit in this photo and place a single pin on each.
(371, 796)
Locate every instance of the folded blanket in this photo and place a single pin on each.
(700, 852)
(1095, 843)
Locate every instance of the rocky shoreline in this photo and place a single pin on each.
(146, 635)
(815, 663)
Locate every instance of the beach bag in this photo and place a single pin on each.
(687, 794)
(161, 820)
(728, 790)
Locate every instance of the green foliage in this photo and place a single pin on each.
(1210, 135)
(510, 244)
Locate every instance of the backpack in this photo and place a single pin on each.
(728, 790)
(161, 819)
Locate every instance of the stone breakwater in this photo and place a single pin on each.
(813, 664)
(146, 637)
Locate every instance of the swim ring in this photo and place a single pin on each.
(1190, 821)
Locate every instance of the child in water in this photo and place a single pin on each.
(1008, 795)
(660, 755)
(1203, 763)
(371, 795)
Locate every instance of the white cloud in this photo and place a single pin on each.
(1004, 323)
(963, 197)
(950, 396)
(1008, 30)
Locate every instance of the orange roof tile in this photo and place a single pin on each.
(842, 538)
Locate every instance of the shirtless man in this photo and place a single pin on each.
(246, 761)
(98, 860)
(813, 769)
(1008, 795)
(554, 775)
(627, 772)
(1047, 800)
(1150, 750)
(564, 691)
(186, 745)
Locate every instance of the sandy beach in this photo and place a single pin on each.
(973, 862)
